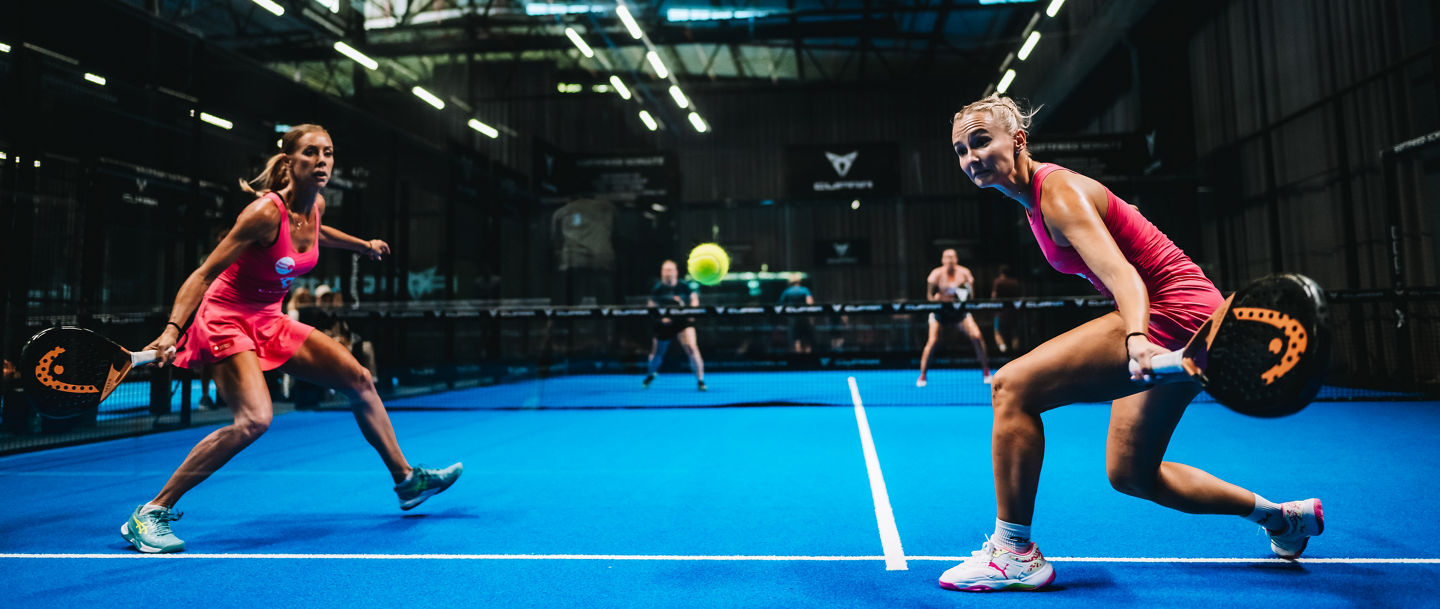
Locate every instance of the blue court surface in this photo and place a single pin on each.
(598, 505)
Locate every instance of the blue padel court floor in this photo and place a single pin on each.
(599, 505)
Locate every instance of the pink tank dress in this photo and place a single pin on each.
(1181, 297)
(241, 309)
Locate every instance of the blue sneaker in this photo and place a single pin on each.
(150, 532)
(424, 483)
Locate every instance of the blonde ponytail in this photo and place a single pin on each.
(273, 178)
(277, 170)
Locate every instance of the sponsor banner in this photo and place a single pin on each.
(868, 308)
(850, 362)
(624, 312)
(926, 307)
(844, 252)
(801, 309)
(989, 306)
(668, 311)
(650, 178)
(1097, 156)
(574, 313)
(844, 170)
(742, 310)
(512, 313)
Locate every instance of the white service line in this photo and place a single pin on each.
(884, 517)
(684, 557)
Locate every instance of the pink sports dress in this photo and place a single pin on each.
(1181, 297)
(241, 309)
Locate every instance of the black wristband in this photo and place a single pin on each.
(1127, 341)
(182, 330)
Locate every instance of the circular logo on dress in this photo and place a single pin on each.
(284, 265)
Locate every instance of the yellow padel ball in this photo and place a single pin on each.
(708, 263)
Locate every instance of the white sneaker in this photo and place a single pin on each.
(919, 382)
(1306, 519)
(991, 568)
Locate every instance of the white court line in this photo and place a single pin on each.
(731, 558)
(884, 517)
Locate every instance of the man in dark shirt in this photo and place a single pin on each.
(671, 292)
(1006, 286)
(802, 332)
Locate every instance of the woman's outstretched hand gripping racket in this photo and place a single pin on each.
(1264, 352)
(67, 371)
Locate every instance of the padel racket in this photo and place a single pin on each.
(1264, 352)
(67, 371)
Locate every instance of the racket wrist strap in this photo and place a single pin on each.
(182, 330)
(1127, 341)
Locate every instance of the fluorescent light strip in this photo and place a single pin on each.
(648, 120)
(579, 42)
(629, 21)
(270, 5)
(1005, 81)
(217, 121)
(1053, 8)
(95, 78)
(429, 97)
(679, 96)
(333, 5)
(1028, 46)
(484, 128)
(698, 123)
(4, 48)
(360, 58)
(659, 66)
(620, 86)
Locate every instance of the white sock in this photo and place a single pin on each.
(150, 507)
(1268, 515)
(1011, 537)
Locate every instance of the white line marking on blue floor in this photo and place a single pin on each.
(884, 517)
(735, 558)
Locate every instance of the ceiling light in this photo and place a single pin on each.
(657, 64)
(270, 5)
(1028, 46)
(679, 96)
(579, 42)
(1005, 81)
(648, 120)
(620, 86)
(629, 21)
(429, 97)
(360, 58)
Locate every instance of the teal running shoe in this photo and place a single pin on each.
(425, 483)
(150, 532)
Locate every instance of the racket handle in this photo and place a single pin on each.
(1166, 365)
(140, 358)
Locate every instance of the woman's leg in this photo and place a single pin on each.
(241, 384)
(1140, 430)
(976, 338)
(1086, 364)
(325, 362)
(934, 335)
(691, 345)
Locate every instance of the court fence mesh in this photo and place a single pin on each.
(476, 356)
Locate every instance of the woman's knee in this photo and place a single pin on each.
(1007, 389)
(254, 426)
(1133, 482)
